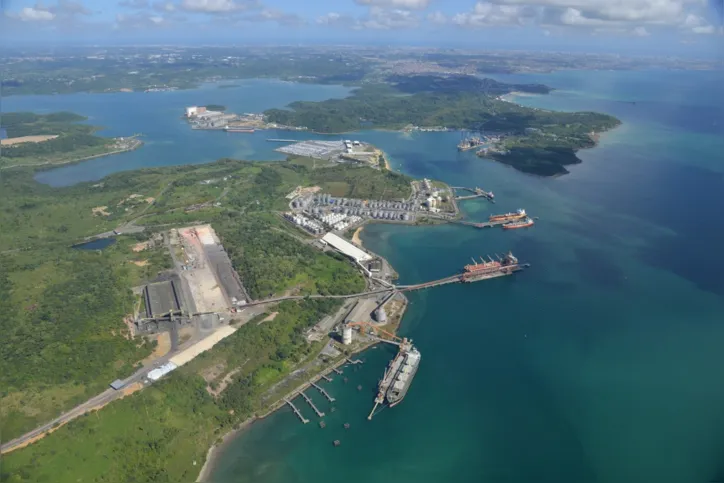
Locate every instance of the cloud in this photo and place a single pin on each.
(437, 18)
(35, 14)
(164, 7)
(486, 14)
(396, 4)
(69, 7)
(134, 3)
(278, 16)
(141, 21)
(334, 18)
(215, 6)
(640, 32)
(386, 19)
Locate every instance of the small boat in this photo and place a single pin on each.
(525, 223)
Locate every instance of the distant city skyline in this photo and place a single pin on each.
(692, 27)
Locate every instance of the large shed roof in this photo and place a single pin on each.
(346, 247)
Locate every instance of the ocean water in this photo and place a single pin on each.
(601, 363)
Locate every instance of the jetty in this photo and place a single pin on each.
(337, 371)
(326, 378)
(476, 193)
(311, 403)
(282, 140)
(324, 393)
(356, 361)
(297, 411)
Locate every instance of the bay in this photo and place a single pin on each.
(601, 363)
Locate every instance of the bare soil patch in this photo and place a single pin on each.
(100, 210)
(26, 139)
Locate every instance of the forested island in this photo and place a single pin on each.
(56, 138)
(63, 308)
(536, 141)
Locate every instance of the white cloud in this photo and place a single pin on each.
(35, 14)
(485, 14)
(704, 29)
(396, 4)
(278, 16)
(134, 3)
(386, 19)
(156, 19)
(437, 18)
(640, 32)
(164, 7)
(212, 6)
(334, 18)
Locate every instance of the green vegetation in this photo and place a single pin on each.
(73, 141)
(216, 107)
(540, 142)
(163, 432)
(63, 335)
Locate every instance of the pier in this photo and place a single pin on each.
(283, 140)
(311, 403)
(337, 371)
(324, 393)
(326, 378)
(356, 361)
(485, 224)
(476, 193)
(297, 411)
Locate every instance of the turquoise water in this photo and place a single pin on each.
(602, 363)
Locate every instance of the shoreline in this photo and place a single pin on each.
(356, 236)
(51, 165)
(216, 450)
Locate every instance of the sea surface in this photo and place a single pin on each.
(603, 362)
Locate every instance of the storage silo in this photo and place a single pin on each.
(381, 315)
(347, 335)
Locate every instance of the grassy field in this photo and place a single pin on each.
(63, 333)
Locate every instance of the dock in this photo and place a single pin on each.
(324, 393)
(326, 378)
(337, 371)
(311, 403)
(356, 361)
(485, 224)
(297, 411)
(283, 140)
(476, 193)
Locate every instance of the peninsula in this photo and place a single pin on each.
(51, 139)
(536, 141)
(215, 259)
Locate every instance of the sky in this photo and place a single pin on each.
(640, 26)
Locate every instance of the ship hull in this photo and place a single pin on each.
(393, 401)
(474, 277)
(515, 227)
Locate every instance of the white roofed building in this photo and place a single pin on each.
(346, 248)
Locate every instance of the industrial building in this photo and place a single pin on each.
(162, 298)
(346, 248)
(161, 371)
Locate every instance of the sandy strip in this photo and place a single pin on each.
(26, 139)
(356, 237)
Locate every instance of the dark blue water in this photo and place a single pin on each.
(98, 244)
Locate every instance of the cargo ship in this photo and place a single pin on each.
(524, 223)
(470, 143)
(398, 376)
(248, 130)
(517, 215)
(491, 268)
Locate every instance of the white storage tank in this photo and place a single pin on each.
(347, 335)
(381, 315)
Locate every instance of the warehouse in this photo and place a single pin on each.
(346, 248)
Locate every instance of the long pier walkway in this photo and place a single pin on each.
(311, 403)
(324, 393)
(297, 411)
(283, 140)
(476, 193)
(486, 224)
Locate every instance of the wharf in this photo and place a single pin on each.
(326, 378)
(485, 224)
(476, 193)
(311, 403)
(337, 371)
(297, 411)
(324, 393)
(273, 140)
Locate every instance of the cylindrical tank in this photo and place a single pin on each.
(381, 315)
(347, 335)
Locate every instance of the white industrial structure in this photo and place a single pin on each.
(161, 371)
(346, 248)
(347, 335)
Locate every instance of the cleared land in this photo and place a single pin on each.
(27, 139)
